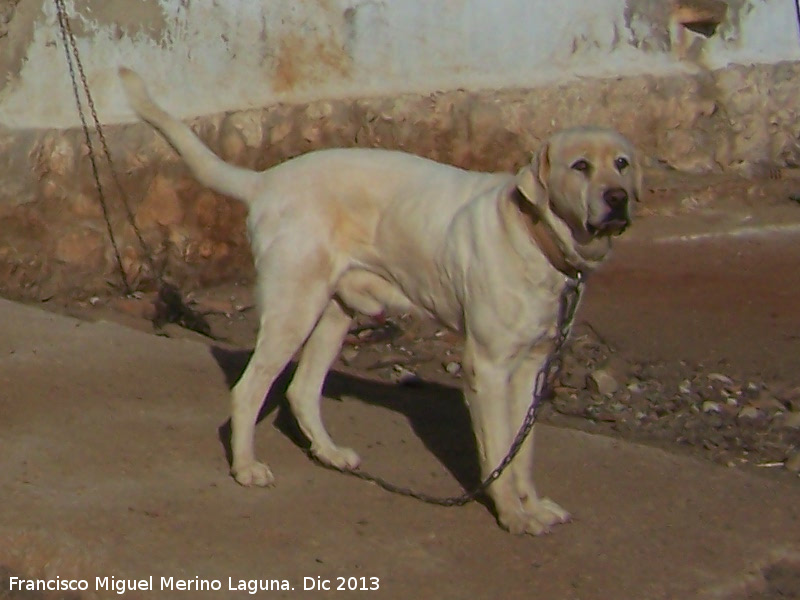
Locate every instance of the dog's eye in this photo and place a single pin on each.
(621, 163)
(581, 165)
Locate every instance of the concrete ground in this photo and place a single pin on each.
(113, 455)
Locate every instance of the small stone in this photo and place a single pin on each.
(617, 366)
(768, 403)
(710, 406)
(584, 345)
(724, 379)
(348, 355)
(575, 377)
(685, 387)
(752, 389)
(602, 382)
(405, 377)
(792, 463)
(636, 387)
(791, 420)
(790, 397)
(749, 413)
(452, 367)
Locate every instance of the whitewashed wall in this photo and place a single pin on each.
(206, 56)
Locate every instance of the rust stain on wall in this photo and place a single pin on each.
(314, 49)
(300, 60)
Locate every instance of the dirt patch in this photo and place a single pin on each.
(733, 422)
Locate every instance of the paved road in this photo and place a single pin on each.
(112, 465)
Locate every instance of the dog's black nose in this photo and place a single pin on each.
(615, 197)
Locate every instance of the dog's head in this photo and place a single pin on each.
(588, 178)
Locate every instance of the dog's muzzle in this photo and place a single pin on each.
(616, 219)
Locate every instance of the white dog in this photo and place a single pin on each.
(345, 231)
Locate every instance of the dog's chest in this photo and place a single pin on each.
(516, 315)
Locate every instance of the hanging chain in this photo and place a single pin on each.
(568, 306)
(170, 307)
(73, 61)
(69, 43)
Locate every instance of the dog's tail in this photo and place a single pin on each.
(207, 167)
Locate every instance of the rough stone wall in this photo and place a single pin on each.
(54, 239)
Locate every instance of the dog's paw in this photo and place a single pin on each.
(255, 473)
(546, 511)
(536, 518)
(519, 522)
(343, 459)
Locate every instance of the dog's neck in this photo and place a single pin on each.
(554, 238)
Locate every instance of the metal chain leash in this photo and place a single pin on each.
(73, 61)
(170, 307)
(69, 43)
(568, 306)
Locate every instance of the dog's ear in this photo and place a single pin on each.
(531, 180)
(638, 177)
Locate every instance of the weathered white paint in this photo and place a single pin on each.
(216, 55)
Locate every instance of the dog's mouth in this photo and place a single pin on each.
(611, 226)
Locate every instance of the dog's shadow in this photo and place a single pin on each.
(435, 412)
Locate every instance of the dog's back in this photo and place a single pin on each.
(372, 197)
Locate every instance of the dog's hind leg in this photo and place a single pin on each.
(319, 352)
(285, 323)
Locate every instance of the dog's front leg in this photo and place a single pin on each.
(523, 379)
(487, 392)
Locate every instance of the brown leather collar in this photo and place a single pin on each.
(546, 239)
(543, 237)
